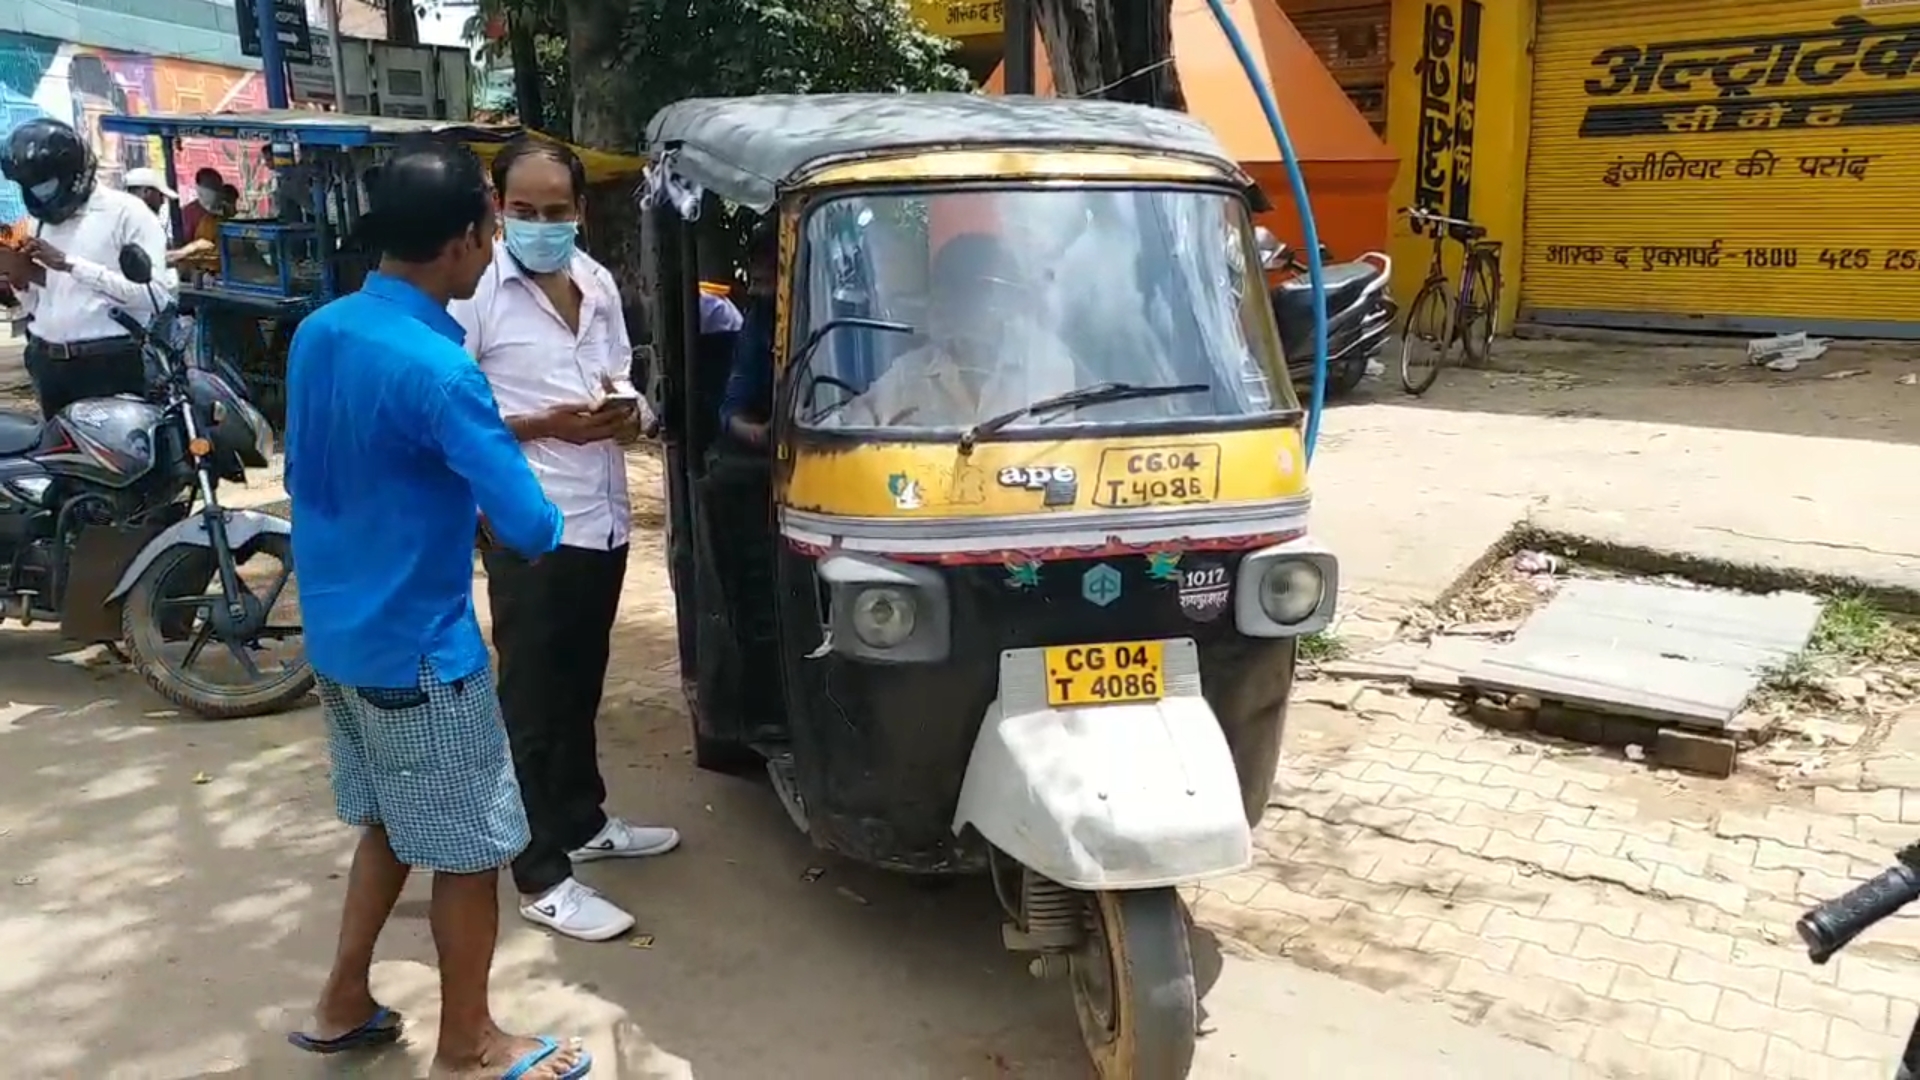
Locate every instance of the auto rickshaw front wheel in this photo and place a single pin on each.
(1133, 986)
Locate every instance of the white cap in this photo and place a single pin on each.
(149, 178)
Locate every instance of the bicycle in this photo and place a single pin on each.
(1436, 320)
(1828, 928)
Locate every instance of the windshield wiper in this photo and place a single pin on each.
(1097, 394)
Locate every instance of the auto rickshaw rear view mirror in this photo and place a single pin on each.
(1273, 253)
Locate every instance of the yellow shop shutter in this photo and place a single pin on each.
(1740, 165)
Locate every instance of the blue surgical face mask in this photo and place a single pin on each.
(44, 190)
(541, 246)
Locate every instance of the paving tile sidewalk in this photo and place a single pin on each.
(1560, 898)
(1527, 890)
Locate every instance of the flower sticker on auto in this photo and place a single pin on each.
(905, 491)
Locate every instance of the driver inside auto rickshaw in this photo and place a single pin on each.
(986, 352)
(747, 402)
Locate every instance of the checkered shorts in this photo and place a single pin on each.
(432, 765)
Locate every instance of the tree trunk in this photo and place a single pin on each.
(602, 116)
(403, 23)
(603, 119)
(1120, 50)
(526, 73)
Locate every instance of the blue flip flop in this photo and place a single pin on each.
(381, 1029)
(548, 1048)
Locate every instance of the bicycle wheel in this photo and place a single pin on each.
(1480, 308)
(1427, 337)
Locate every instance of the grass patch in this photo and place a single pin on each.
(1320, 647)
(1853, 630)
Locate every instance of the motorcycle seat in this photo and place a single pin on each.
(19, 432)
(1293, 299)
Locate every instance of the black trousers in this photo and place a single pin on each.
(551, 623)
(60, 383)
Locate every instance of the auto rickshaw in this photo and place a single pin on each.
(1016, 584)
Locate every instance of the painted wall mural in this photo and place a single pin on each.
(81, 83)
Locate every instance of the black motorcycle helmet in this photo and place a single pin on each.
(54, 167)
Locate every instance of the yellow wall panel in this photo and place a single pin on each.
(1457, 113)
(1726, 164)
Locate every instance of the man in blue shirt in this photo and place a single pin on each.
(393, 443)
(748, 401)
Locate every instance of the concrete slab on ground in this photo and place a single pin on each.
(1658, 651)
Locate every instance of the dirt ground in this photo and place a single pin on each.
(1855, 391)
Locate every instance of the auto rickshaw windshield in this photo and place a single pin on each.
(1019, 296)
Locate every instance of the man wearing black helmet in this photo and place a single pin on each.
(67, 274)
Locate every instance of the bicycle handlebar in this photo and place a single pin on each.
(1829, 927)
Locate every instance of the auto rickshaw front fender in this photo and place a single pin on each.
(1132, 796)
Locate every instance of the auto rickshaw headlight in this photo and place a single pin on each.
(884, 617)
(882, 611)
(1290, 590)
(1286, 590)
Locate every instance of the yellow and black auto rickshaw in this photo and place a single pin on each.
(1016, 582)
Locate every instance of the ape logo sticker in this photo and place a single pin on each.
(1101, 585)
(1059, 484)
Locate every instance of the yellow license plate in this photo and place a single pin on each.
(1105, 674)
(1166, 475)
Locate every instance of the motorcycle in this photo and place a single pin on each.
(1359, 313)
(111, 525)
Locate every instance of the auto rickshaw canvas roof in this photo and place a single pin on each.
(747, 150)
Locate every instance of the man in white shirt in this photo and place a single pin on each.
(547, 329)
(151, 188)
(68, 273)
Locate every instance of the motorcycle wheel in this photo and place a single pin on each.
(146, 613)
(1346, 377)
(1133, 986)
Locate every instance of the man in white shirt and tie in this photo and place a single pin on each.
(67, 275)
(547, 329)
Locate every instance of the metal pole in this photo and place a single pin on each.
(1017, 40)
(339, 64)
(173, 181)
(273, 63)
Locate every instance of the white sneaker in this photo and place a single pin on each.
(578, 912)
(619, 840)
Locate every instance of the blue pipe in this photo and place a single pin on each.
(1311, 235)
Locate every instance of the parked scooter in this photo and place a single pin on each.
(1359, 313)
(110, 525)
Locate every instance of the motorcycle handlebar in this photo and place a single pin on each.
(1828, 928)
(128, 323)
